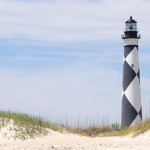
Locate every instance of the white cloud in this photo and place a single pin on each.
(70, 20)
(72, 92)
(144, 57)
(145, 84)
(103, 56)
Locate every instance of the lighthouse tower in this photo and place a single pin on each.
(131, 94)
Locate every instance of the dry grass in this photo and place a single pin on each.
(135, 131)
(96, 131)
(27, 126)
(31, 126)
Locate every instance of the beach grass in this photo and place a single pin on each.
(27, 126)
(135, 131)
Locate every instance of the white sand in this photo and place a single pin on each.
(64, 141)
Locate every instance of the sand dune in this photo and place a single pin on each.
(67, 141)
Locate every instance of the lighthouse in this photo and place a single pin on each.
(131, 93)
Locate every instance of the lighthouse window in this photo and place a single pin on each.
(132, 65)
(131, 27)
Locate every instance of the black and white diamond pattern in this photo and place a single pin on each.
(131, 95)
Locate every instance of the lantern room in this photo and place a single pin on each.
(131, 25)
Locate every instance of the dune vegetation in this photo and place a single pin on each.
(26, 126)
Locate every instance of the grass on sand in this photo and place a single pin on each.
(30, 126)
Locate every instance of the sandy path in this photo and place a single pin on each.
(58, 141)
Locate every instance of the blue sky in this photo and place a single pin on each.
(63, 59)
